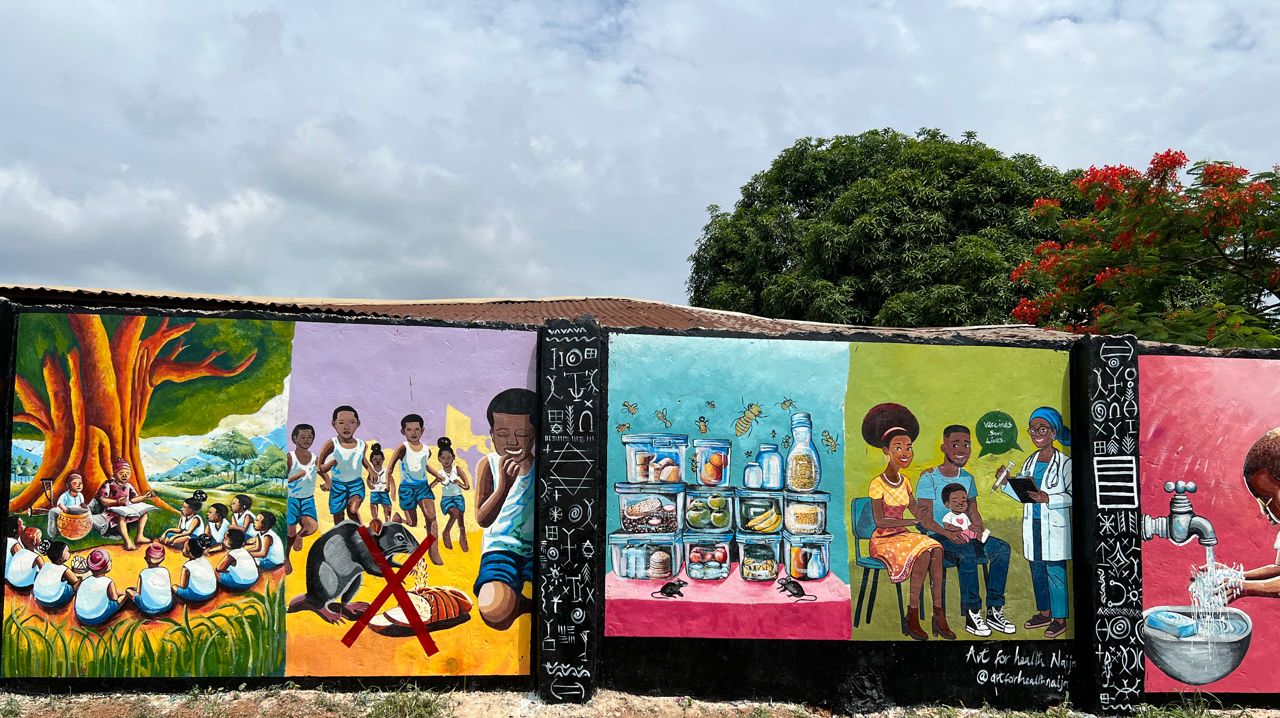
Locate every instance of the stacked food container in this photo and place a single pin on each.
(775, 522)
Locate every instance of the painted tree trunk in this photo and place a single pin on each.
(98, 401)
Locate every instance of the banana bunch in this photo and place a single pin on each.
(767, 522)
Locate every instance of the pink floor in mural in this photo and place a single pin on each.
(732, 608)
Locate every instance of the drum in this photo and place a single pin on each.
(74, 526)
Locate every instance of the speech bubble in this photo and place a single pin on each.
(997, 433)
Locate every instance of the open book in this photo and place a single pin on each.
(131, 511)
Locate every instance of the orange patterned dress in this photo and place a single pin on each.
(897, 547)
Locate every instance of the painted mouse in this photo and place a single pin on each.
(793, 589)
(671, 589)
(336, 565)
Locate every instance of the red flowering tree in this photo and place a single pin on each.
(1194, 261)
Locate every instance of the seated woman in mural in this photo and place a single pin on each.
(189, 525)
(267, 548)
(24, 560)
(97, 599)
(892, 428)
(198, 582)
(238, 570)
(1046, 519)
(124, 504)
(152, 596)
(56, 582)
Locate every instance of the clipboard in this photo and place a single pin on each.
(1022, 486)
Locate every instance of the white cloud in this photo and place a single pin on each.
(474, 149)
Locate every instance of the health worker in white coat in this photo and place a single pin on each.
(1046, 520)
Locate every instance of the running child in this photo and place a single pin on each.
(342, 464)
(153, 596)
(415, 490)
(380, 484)
(504, 507)
(189, 522)
(300, 513)
(456, 480)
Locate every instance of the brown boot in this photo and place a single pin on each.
(940, 627)
(913, 624)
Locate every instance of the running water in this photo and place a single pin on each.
(1213, 585)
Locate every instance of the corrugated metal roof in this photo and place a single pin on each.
(613, 312)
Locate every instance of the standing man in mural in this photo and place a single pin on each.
(1046, 519)
(342, 464)
(504, 494)
(965, 553)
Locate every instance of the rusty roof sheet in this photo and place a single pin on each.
(612, 312)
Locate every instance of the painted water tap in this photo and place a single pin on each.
(1182, 524)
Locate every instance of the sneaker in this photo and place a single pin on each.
(997, 621)
(1056, 628)
(975, 624)
(1038, 620)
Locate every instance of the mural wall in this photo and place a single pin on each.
(1210, 443)
(218, 497)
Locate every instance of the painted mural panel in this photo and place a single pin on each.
(1210, 444)
(147, 500)
(725, 488)
(959, 492)
(410, 461)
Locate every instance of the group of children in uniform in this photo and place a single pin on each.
(55, 577)
(347, 467)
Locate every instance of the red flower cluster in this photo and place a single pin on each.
(1046, 246)
(1122, 241)
(1107, 180)
(1043, 205)
(1164, 164)
(1027, 311)
(1106, 275)
(1220, 173)
(1020, 271)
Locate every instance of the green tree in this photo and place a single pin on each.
(878, 228)
(270, 464)
(1193, 262)
(233, 448)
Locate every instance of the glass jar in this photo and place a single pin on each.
(707, 556)
(808, 557)
(655, 458)
(770, 467)
(644, 556)
(752, 476)
(646, 508)
(708, 508)
(804, 468)
(759, 556)
(805, 513)
(759, 512)
(713, 461)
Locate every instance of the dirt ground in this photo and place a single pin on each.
(295, 703)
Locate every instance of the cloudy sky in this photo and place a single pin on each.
(433, 149)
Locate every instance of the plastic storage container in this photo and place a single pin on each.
(759, 556)
(759, 511)
(804, 467)
(752, 477)
(650, 508)
(707, 556)
(713, 461)
(645, 556)
(770, 467)
(655, 458)
(708, 508)
(805, 513)
(808, 557)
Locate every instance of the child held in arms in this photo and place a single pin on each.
(956, 499)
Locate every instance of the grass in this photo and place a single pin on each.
(411, 703)
(242, 638)
(1194, 705)
(10, 708)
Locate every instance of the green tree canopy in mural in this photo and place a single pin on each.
(269, 464)
(91, 387)
(878, 228)
(233, 448)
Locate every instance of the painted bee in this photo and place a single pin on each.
(750, 413)
(786, 404)
(701, 421)
(630, 407)
(623, 428)
(829, 441)
(662, 416)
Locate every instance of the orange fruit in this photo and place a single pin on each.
(717, 460)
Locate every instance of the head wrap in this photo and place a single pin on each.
(155, 552)
(119, 464)
(98, 560)
(1054, 418)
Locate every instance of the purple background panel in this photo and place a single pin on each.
(387, 371)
